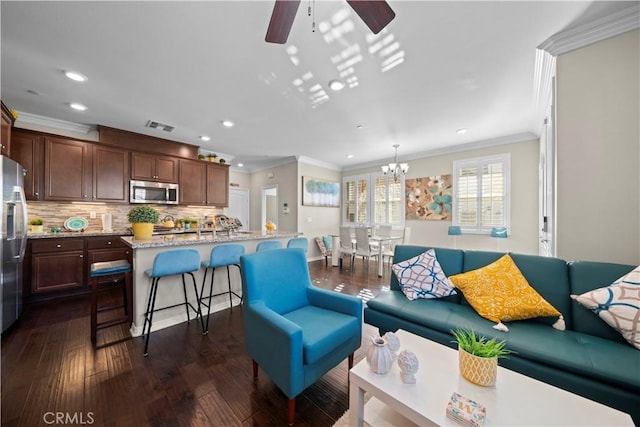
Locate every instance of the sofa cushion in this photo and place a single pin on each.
(422, 277)
(576, 352)
(499, 292)
(618, 305)
(328, 242)
(588, 275)
(322, 330)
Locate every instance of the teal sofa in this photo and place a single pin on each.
(589, 358)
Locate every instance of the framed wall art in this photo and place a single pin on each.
(429, 198)
(320, 192)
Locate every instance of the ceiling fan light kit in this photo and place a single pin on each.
(376, 14)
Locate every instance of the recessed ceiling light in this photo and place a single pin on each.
(349, 156)
(77, 106)
(205, 138)
(336, 85)
(359, 127)
(227, 123)
(75, 76)
(240, 165)
(461, 131)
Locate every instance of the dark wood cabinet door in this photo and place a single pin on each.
(27, 149)
(67, 170)
(166, 169)
(57, 271)
(5, 134)
(110, 174)
(217, 185)
(150, 167)
(193, 182)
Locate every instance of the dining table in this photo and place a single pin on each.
(381, 241)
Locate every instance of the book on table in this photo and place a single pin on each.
(466, 411)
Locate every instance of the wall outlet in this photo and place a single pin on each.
(92, 215)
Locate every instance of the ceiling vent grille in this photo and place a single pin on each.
(157, 125)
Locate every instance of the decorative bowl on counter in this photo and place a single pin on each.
(76, 223)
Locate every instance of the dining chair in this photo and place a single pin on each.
(346, 244)
(363, 245)
(293, 330)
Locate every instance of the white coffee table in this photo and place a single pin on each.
(515, 399)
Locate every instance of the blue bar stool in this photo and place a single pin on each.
(221, 256)
(267, 245)
(299, 242)
(170, 263)
(116, 272)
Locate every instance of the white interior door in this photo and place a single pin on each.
(239, 206)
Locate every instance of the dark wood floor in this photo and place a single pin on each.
(50, 368)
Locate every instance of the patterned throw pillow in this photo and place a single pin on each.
(499, 292)
(422, 277)
(618, 304)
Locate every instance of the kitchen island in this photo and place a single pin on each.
(170, 288)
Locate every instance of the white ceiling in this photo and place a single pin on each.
(192, 64)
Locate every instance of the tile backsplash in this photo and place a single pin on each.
(54, 214)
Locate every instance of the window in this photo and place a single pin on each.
(481, 193)
(373, 199)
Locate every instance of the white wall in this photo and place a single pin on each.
(315, 221)
(285, 177)
(524, 200)
(598, 151)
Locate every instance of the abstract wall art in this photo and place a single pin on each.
(429, 198)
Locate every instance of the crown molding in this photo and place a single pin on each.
(470, 146)
(319, 163)
(49, 122)
(591, 32)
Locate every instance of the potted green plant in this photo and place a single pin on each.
(187, 223)
(478, 356)
(142, 219)
(212, 157)
(200, 156)
(223, 161)
(36, 225)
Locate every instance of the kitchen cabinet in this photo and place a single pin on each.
(56, 265)
(217, 185)
(27, 148)
(110, 174)
(203, 183)
(5, 134)
(67, 170)
(59, 267)
(193, 182)
(153, 167)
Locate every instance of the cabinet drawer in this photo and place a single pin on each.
(105, 242)
(57, 245)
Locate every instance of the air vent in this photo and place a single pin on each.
(161, 126)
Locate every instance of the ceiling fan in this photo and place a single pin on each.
(376, 14)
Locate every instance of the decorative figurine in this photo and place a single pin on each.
(408, 363)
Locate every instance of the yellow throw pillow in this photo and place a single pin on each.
(499, 292)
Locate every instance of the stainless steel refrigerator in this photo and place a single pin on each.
(13, 223)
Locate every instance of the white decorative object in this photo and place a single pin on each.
(379, 356)
(408, 363)
(393, 341)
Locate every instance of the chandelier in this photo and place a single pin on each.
(395, 169)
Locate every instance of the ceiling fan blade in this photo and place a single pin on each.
(375, 13)
(284, 11)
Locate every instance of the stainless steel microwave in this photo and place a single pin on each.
(163, 193)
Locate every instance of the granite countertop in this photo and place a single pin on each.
(86, 233)
(206, 237)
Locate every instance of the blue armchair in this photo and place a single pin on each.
(293, 330)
